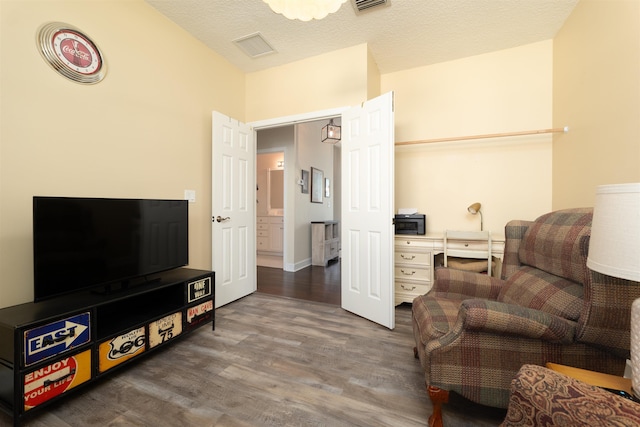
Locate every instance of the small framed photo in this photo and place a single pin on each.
(305, 182)
(327, 188)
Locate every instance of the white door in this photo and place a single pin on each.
(233, 209)
(367, 210)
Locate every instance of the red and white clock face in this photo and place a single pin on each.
(71, 53)
(76, 52)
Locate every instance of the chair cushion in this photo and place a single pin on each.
(539, 290)
(552, 243)
(468, 264)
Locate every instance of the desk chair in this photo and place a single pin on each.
(466, 249)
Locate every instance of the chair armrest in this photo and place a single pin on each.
(460, 284)
(508, 319)
(542, 397)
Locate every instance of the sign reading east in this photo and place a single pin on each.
(54, 338)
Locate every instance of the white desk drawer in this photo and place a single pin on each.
(407, 257)
(413, 273)
(263, 233)
(408, 242)
(413, 289)
(471, 245)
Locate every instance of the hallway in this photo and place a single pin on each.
(313, 283)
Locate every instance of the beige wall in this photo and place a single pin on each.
(504, 91)
(335, 79)
(597, 93)
(145, 131)
(373, 77)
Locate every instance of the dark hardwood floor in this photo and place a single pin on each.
(313, 283)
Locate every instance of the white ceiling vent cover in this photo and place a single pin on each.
(254, 45)
(365, 5)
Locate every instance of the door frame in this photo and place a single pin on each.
(270, 150)
(290, 121)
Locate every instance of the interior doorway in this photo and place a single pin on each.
(303, 152)
(302, 147)
(270, 192)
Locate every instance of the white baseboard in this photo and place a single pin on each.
(298, 265)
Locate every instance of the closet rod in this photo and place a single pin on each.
(490, 135)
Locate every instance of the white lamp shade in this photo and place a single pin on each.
(614, 247)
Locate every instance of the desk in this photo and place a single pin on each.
(597, 379)
(414, 261)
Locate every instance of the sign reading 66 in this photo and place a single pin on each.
(121, 348)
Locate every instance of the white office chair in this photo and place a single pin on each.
(468, 250)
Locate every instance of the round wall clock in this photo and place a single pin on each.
(71, 53)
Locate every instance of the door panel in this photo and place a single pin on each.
(367, 210)
(233, 208)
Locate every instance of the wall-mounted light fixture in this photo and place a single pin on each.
(474, 209)
(280, 164)
(331, 133)
(305, 10)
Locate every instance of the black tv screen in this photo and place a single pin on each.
(82, 243)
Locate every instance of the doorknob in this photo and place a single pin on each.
(220, 219)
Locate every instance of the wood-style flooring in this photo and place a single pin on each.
(314, 283)
(271, 361)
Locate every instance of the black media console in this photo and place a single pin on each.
(50, 348)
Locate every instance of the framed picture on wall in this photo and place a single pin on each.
(317, 185)
(327, 188)
(305, 182)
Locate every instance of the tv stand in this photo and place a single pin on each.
(115, 287)
(51, 348)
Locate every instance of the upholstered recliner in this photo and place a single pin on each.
(473, 332)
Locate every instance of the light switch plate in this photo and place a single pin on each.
(190, 195)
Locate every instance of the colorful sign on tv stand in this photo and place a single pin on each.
(57, 337)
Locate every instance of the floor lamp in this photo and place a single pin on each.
(614, 249)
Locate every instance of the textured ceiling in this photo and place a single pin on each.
(405, 34)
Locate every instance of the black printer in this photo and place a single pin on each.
(409, 224)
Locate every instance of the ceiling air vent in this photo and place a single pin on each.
(365, 5)
(254, 45)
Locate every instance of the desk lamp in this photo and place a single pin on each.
(474, 209)
(614, 249)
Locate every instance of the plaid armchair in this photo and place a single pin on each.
(473, 332)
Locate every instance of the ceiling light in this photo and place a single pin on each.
(331, 133)
(305, 10)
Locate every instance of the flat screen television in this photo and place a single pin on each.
(84, 243)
